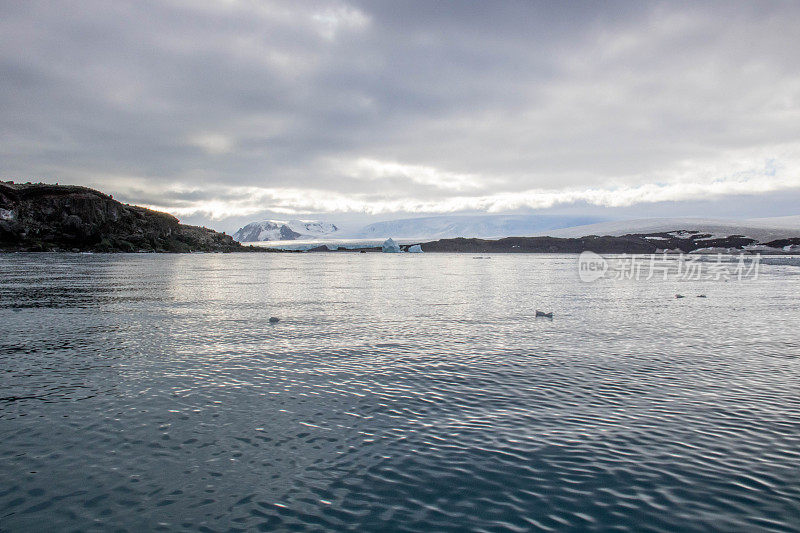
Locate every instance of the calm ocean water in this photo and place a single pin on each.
(398, 392)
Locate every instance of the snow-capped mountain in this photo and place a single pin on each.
(479, 226)
(279, 230)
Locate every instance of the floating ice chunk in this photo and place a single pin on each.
(712, 250)
(416, 249)
(390, 247)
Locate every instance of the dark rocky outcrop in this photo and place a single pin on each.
(44, 217)
(625, 244)
(780, 243)
(688, 241)
(610, 245)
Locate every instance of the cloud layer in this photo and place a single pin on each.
(231, 107)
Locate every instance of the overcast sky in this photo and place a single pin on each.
(226, 111)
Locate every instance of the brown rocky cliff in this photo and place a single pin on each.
(39, 217)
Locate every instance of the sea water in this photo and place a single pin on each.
(408, 392)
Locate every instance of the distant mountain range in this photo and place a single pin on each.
(500, 226)
(277, 230)
(440, 227)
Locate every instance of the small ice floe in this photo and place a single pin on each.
(543, 314)
(416, 249)
(274, 320)
(390, 247)
(679, 296)
(717, 250)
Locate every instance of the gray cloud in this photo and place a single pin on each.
(231, 108)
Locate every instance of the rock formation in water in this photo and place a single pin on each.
(43, 217)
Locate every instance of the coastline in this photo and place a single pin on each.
(38, 217)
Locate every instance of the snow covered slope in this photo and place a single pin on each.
(762, 230)
(311, 228)
(792, 222)
(278, 230)
(480, 226)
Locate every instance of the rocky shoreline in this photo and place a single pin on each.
(38, 217)
(669, 242)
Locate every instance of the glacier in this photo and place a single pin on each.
(470, 226)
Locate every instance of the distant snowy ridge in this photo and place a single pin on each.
(762, 230)
(477, 226)
(313, 228)
(279, 230)
(792, 222)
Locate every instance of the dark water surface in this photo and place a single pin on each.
(398, 392)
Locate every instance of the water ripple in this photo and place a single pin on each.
(408, 393)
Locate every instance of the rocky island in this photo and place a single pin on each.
(636, 243)
(45, 217)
